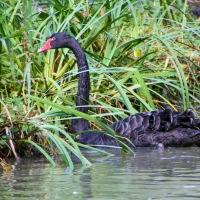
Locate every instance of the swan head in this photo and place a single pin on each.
(56, 41)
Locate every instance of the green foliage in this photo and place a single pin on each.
(142, 55)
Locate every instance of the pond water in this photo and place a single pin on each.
(172, 173)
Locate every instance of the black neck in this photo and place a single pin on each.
(83, 88)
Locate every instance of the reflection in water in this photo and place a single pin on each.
(150, 174)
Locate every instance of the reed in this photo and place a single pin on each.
(142, 55)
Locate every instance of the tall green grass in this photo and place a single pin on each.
(142, 55)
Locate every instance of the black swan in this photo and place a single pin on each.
(166, 127)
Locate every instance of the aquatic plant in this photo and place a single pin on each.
(141, 56)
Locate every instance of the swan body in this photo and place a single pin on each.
(151, 128)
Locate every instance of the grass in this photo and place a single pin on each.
(142, 55)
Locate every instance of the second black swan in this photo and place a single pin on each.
(168, 127)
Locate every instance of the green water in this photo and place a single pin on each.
(152, 174)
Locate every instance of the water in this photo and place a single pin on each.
(170, 174)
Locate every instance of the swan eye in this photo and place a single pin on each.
(67, 37)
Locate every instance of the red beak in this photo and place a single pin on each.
(46, 46)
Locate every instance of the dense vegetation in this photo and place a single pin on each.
(142, 55)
